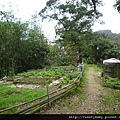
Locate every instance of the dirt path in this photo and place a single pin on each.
(93, 92)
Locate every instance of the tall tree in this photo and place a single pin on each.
(75, 19)
(117, 5)
(21, 47)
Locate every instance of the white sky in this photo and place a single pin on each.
(25, 8)
(111, 17)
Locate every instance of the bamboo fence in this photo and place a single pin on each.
(36, 104)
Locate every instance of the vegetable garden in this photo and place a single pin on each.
(12, 95)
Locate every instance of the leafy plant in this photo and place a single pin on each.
(49, 73)
(42, 73)
(112, 81)
(27, 74)
(77, 91)
(117, 95)
(66, 80)
(89, 60)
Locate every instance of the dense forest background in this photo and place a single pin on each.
(115, 37)
(23, 46)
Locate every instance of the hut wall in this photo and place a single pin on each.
(113, 70)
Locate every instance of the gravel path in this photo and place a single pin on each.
(93, 93)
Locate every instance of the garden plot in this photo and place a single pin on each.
(54, 76)
(34, 80)
(32, 84)
(40, 78)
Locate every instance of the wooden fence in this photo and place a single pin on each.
(36, 104)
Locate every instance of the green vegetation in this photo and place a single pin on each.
(107, 100)
(69, 77)
(114, 37)
(77, 91)
(111, 101)
(83, 80)
(49, 73)
(21, 47)
(102, 49)
(66, 80)
(89, 60)
(10, 96)
(113, 82)
(73, 27)
(105, 112)
(24, 46)
(27, 74)
(98, 68)
(117, 95)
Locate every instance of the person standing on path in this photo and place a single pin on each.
(80, 67)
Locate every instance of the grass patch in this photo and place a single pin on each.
(117, 95)
(97, 68)
(105, 112)
(77, 91)
(107, 100)
(83, 79)
(110, 103)
(11, 96)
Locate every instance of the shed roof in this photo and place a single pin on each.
(111, 60)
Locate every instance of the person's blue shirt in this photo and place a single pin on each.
(80, 67)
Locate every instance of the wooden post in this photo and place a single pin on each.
(48, 96)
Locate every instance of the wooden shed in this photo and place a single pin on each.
(112, 67)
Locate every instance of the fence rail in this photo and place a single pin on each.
(36, 104)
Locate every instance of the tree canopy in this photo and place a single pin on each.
(75, 19)
(21, 47)
(117, 5)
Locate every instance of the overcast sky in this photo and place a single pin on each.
(25, 8)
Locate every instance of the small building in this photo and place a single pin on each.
(112, 67)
